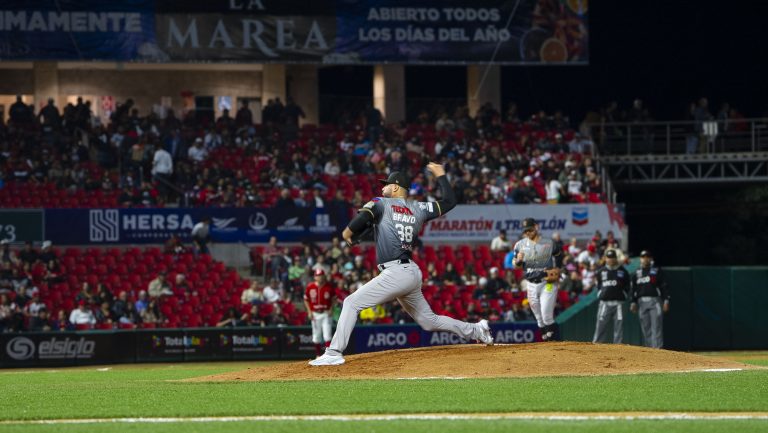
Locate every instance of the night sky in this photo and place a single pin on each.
(667, 53)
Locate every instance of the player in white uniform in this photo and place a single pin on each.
(396, 223)
(536, 256)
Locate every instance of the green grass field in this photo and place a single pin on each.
(150, 391)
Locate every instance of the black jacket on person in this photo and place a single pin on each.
(612, 284)
(648, 282)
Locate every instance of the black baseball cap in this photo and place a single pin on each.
(398, 178)
(646, 253)
(529, 223)
(610, 254)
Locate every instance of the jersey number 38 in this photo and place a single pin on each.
(404, 232)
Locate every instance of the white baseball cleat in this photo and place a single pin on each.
(485, 333)
(327, 359)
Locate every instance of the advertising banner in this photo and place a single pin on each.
(468, 223)
(378, 338)
(253, 343)
(318, 31)
(137, 226)
(77, 29)
(160, 345)
(21, 225)
(297, 343)
(54, 349)
(212, 344)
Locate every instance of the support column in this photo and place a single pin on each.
(273, 83)
(480, 91)
(303, 88)
(46, 82)
(389, 91)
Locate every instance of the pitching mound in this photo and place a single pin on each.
(477, 361)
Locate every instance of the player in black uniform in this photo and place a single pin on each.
(650, 296)
(613, 287)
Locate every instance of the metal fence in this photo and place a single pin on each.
(681, 137)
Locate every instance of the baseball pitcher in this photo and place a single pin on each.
(649, 293)
(612, 291)
(536, 256)
(396, 222)
(318, 300)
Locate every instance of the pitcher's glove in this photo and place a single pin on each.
(553, 275)
(365, 235)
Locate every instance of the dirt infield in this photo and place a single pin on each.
(478, 361)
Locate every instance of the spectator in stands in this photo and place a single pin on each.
(231, 319)
(201, 236)
(152, 314)
(182, 287)
(82, 315)
(500, 242)
(557, 246)
(120, 304)
(509, 260)
(479, 292)
(103, 295)
(275, 317)
(46, 253)
(131, 316)
(321, 264)
(292, 113)
(589, 256)
(162, 169)
(588, 275)
(496, 285)
(444, 123)
(469, 277)
(40, 322)
(142, 302)
(244, 116)
(86, 294)
(450, 275)
(33, 306)
(174, 246)
(61, 322)
(159, 286)
(516, 313)
(431, 276)
(573, 248)
(572, 285)
(104, 315)
(7, 255)
(272, 292)
(554, 190)
(10, 317)
(701, 114)
(373, 122)
(28, 255)
(252, 295)
(197, 153)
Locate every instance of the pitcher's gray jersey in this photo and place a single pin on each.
(397, 223)
(537, 256)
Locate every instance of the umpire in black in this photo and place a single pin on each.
(650, 297)
(612, 290)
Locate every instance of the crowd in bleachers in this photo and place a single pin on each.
(71, 159)
(461, 281)
(87, 288)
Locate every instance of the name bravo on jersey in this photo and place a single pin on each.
(404, 218)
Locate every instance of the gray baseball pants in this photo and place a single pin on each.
(542, 297)
(607, 311)
(401, 282)
(651, 314)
